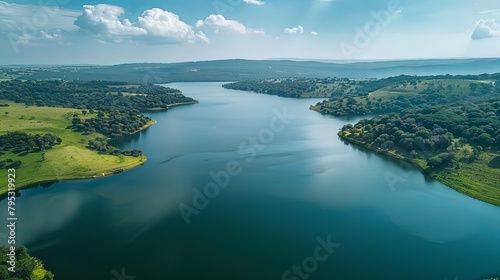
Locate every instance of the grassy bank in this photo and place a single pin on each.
(69, 160)
(477, 179)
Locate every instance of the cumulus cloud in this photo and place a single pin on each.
(255, 2)
(314, 33)
(486, 29)
(220, 24)
(104, 20)
(294, 30)
(157, 25)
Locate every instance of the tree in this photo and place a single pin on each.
(434, 161)
(347, 127)
(387, 145)
(485, 140)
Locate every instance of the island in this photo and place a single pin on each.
(57, 130)
(447, 126)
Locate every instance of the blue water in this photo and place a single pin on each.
(296, 184)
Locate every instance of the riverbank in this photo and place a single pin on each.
(172, 105)
(69, 160)
(476, 179)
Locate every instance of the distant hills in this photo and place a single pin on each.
(239, 70)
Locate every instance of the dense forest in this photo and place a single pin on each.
(111, 123)
(27, 267)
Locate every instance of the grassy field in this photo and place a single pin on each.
(69, 160)
(478, 179)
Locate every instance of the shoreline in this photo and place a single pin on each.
(171, 105)
(98, 174)
(434, 175)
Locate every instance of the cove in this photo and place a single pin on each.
(303, 184)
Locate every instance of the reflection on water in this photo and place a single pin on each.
(392, 221)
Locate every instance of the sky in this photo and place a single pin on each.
(115, 32)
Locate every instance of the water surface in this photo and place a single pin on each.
(302, 184)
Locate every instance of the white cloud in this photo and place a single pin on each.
(255, 2)
(294, 30)
(154, 25)
(486, 29)
(103, 19)
(220, 24)
(51, 37)
(314, 33)
(39, 38)
(163, 24)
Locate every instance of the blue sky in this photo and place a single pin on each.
(112, 32)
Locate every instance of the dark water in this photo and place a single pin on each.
(303, 184)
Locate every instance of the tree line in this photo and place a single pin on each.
(102, 146)
(22, 144)
(434, 133)
(112, 123)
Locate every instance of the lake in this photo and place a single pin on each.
(252, 186)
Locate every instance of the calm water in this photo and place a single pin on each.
(302, 183)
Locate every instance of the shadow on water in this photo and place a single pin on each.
(129, 139)
(44, 185)
(406, 165)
